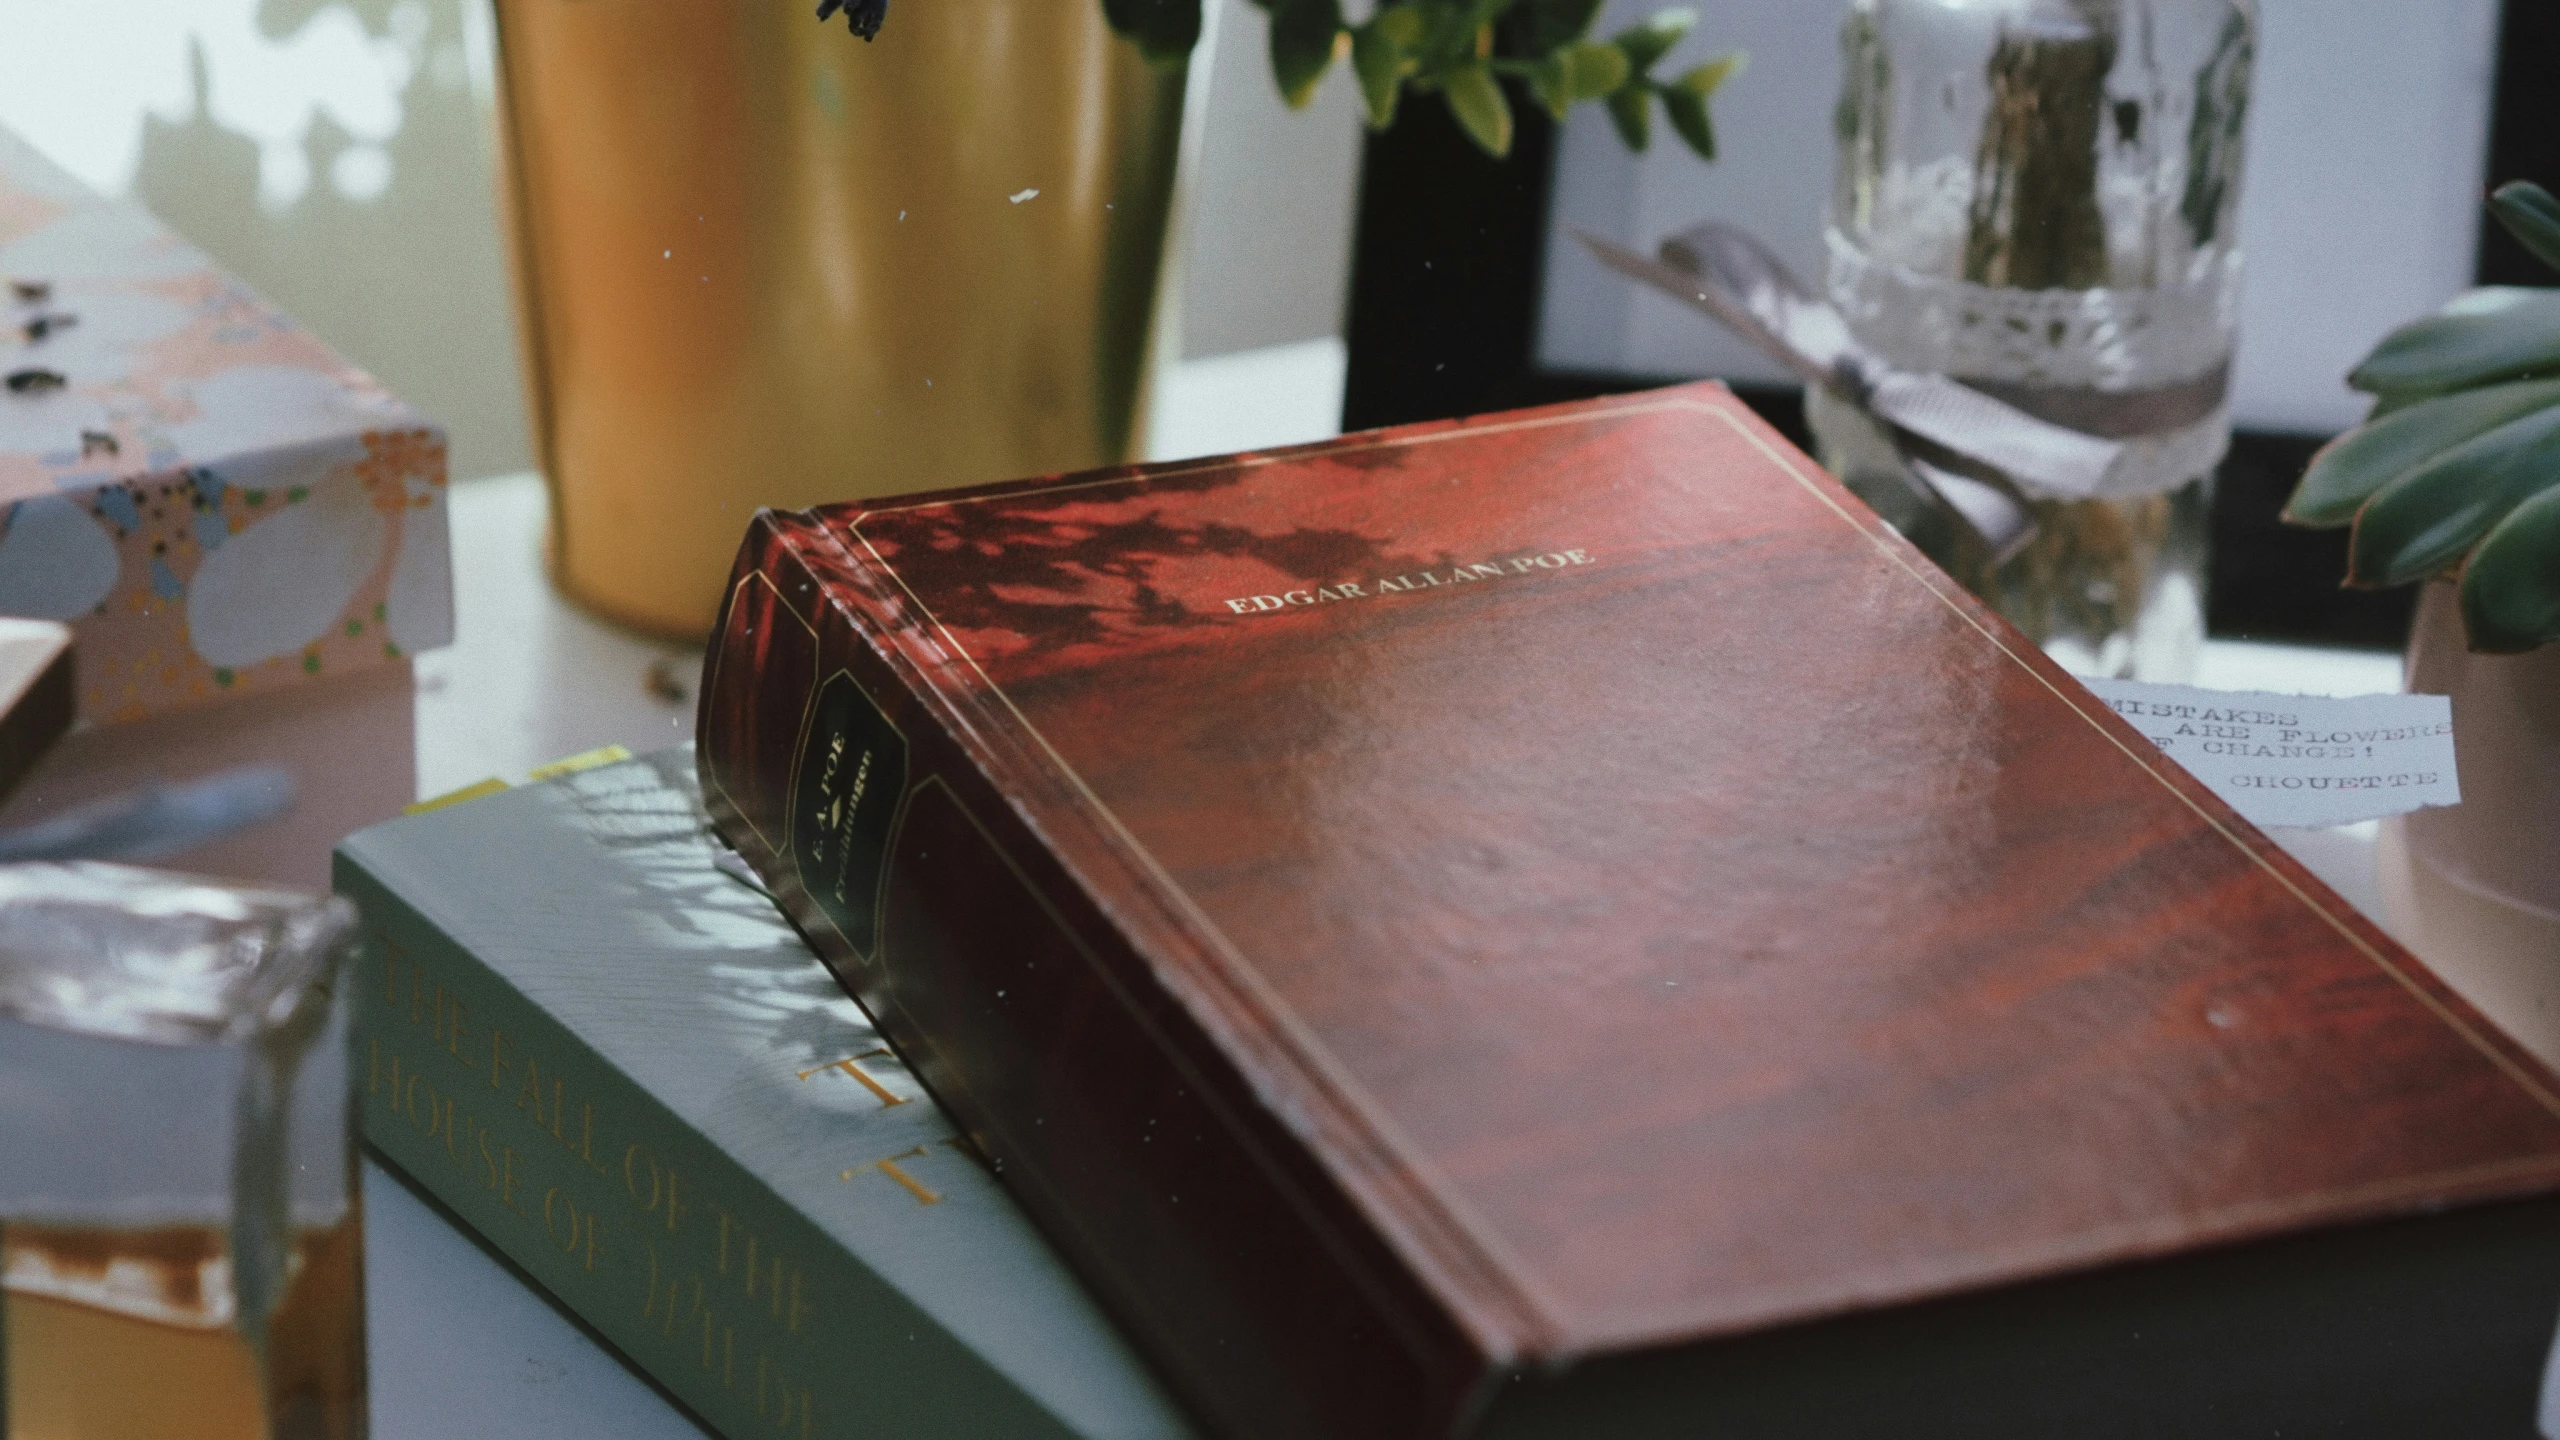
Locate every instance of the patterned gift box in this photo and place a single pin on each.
(216, 503)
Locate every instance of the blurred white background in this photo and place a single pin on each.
(337, 154)
(2360, 205)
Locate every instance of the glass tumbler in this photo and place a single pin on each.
(181, 1248)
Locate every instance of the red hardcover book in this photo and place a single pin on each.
(1561, 923)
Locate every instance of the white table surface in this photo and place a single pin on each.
(460, 1346)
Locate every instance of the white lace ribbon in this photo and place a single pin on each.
(2091, 344)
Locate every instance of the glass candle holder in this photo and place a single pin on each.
(179, 1225)
(2039, 198)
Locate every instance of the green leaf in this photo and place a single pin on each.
(1165, 30)
(1630, 109)
(1544, 26)
(1688, 114)
(1581, 71)
(1302, 41)
(2511, 588)
(2494, 333)
(1403, 26)
(1380, 63)
(1551, 81)
(2390, 403)
(1475, 97)
(1597, 70)
(1650, 41)
(1703, 80)
(1541, 27)
(2530, 215)
(2424, 521)
(2348, 470)
(1450, 34)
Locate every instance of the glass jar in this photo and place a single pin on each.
(181, 1245)
(2039, 198)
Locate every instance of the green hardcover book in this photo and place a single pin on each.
(617, 1062)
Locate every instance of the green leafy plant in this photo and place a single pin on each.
(1461, 50)
(2457, 467)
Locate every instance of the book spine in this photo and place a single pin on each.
(638, 1223)
(1106, 1106)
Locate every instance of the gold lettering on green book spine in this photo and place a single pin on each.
(886, 1096)
(674, 1301)
(586, 928)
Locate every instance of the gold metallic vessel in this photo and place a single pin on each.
(760, 262)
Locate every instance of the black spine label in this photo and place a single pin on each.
(846, 784)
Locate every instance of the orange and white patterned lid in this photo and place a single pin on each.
(215, 501)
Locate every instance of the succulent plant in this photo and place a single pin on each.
(2457, 466)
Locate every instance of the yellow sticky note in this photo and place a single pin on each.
(586, 760)
(490, 786)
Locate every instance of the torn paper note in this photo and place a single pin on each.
(2299, 759)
